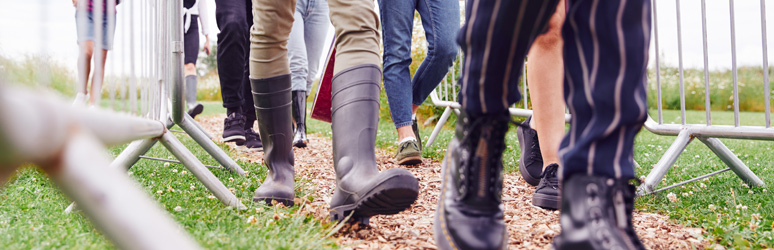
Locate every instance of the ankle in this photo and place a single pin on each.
(233, 110)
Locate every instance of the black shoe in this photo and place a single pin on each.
(272, 107)
(252, 141)
(470, 210)
(415, 127)
(597, 214)
(196, 110)
(233, 128)
(547, 193)
(531, 160)
(299, 114)
(361, 190)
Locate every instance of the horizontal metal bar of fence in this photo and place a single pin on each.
(40, 128)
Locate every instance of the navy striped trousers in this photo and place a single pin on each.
(606, 46)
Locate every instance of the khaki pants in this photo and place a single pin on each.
(355, 23)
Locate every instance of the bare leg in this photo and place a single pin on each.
(545, 75)
(190, 69)
(406, 131)
(84, 66)
(100, 78)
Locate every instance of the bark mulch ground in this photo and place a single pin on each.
(529, 227)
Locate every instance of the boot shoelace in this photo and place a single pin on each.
(551, 172)
(235, 120)
(250, 134)
(498, 146)
(536, 154)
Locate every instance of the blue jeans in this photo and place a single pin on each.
(305, 43)
(441, 21)
(86, 30)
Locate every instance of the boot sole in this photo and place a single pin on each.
(196, 110)
(286, 202)
(523, 168)
(254, 149)
(299, 144)
(392, 196)
(546, 201)
(411, 160)
(234, 138)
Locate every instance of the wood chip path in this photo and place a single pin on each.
(529, 227)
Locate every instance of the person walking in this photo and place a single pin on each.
(87, 31)
(305, 47)
(361, 189)
(539, 160)
(234, 19)
(440, 20)
(193, 12)
(605, 63)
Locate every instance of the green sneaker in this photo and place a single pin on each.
(408, 153)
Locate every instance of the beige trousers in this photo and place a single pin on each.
(355, 23)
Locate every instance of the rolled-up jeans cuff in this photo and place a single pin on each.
(403, 124)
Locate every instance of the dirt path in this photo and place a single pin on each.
(529, 227)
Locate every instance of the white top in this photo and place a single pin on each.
(201, 11)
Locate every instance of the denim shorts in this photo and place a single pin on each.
(86, 29)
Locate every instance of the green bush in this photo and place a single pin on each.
(750, 85)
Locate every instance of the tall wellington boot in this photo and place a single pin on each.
(299, 115)
(272, 107)
(361, 190)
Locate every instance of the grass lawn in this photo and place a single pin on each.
(31, 208)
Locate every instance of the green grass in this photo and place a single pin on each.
(31, 207)
(32, 217)
(726, 224)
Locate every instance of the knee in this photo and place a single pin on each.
(233, 26)
(552, 39)
(445, 53)
(190, 69)
(397, 55)
(87, 48)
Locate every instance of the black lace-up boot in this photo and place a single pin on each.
(470, 211)
(597, 214)
(361, 190)
(272, 106)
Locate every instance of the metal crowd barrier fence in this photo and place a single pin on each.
(707, 133)
(68, 144)
(160, 82)
(150, 84)
(445, 95)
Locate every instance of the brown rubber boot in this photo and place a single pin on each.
(272, 107)
(361, 190)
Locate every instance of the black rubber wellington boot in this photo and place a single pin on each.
(272, 107)
(361, 190)
(597, 214)
(299, 115)
(470, 210)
